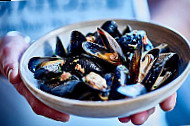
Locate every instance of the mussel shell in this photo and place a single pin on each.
(131, 91)
(35, 62)
(127, 29)
(120, 79)
(167, 62)
(109, 78)
(80, 66)
(76, 90)
(147, 62)
(101, 53)
(75, 46)
(134, 65)
(112, 28)
(110, 43)
(59, 50)
(50, 84)
(48, 72)
(128, 43)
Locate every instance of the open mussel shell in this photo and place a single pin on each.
(132, 90)
(110, 43)
(134, 65)
(80, 66)
(36, 62)
(162, 71)
(49, 69)
(120, 79)
(75, 46)
(59, 50)
(101, 52)
(147, 62)
(112, 28)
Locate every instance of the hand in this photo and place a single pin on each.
(11, 48)
(139, 118)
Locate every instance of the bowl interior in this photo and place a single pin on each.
(45, 46)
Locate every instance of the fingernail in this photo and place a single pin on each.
(9, 74)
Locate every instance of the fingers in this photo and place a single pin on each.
(138, 118)
(125, 119)
(169, 103)
(12, 46)
(141, 117)
(40, 108)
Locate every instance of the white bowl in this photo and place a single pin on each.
(117, 108)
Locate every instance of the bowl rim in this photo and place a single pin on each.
(184, 73)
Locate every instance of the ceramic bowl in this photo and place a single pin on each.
(45, 46)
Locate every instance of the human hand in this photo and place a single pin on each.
(11, 48)
(139, 118)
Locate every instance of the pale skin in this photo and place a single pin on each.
(9, 64)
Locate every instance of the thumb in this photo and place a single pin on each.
(12, 46)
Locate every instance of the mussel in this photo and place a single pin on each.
(93, 87)
(120, 79)
(112, 28)
(75, 46)
(80, 66)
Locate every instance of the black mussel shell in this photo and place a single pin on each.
(80, 66)
(50, 84)
(48, 72)
(131, 91)
(76, 90)
(120, 79)
(75, 46)
(112, 28)
(127, 29)
(71, 89)
(59, 50)
(34, 63)
(162, 70)
(109, 78)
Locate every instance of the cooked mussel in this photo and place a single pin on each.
(93, 88)
(75, 46)
(38, 62)
(112, 28)
(101, 52)
(120, 79)
(80, 66)
(162, 70)
(59, 50)
(127, 29)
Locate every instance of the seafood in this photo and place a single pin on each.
(105, 65)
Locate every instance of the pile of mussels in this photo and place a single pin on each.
(105, 65)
